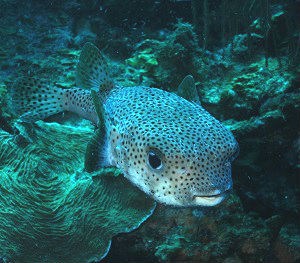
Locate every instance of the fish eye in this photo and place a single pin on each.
(155, 159)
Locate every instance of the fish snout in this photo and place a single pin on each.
(214, 190)
(212, 197)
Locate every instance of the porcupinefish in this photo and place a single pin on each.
(166, 144)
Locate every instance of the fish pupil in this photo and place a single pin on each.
(154, 160)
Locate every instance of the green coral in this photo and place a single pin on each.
(3, 102)
(171, 247)
(290, 235)
(258, 81)
(2, 90)
(287, 245)
(239, 95)
(142, 63)
(145, 58)
(207, 235)
(52, 211)
(166, 62)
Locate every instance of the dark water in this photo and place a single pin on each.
(244, 57)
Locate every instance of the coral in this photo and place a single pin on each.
(52, 211)
(287, 245)
(267, 102)
(243, 46)
(244, 91)
(167, 61)
(3, 102)
(141, 64)
(198, 235)
(2, 90)
(145, 58)
(259, 222)
(171, 248)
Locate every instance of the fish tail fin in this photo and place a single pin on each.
(34, 100)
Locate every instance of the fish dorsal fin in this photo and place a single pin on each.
(187, 89)
(95, 155)
(92, 70)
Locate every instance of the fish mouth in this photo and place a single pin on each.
(209, 200)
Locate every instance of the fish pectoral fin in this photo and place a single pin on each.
(107, 171)
(92, 70)
(98, 104)
(95, 156)
(187, 89)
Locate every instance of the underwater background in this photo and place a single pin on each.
(244, 57)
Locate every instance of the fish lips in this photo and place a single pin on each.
(210, 200)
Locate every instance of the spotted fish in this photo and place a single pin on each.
(166, 144)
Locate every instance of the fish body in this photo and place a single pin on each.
(168, 146)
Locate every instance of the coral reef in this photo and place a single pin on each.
(168, 60)
(52, 211)
(287, 245)
(201, 235)
(245, 60)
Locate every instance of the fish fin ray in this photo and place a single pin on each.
(187, 89)
(92, 70)
(95, 155)
(98, 104)
(31, 99)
